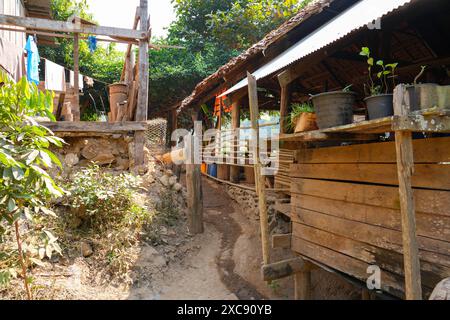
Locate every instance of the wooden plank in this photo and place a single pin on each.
(99, 127)
(283, 269)
(76, 68)
(143, 80)
(431, 226)
(422, 123)
(390, 282)
(425, 151)
(375, 235)
(405, 170)
(235, 124)
(259, 178)
(64, 26)
(310, 136)
(281, 241)
(386, 259)
(430, 176)
(427, 201)
(284, 208)
(284, 106)
(302, 285)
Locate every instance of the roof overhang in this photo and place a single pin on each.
(358, 16)
(38, 8)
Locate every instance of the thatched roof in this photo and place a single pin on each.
(211, 82)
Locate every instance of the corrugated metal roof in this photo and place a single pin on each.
(357, 16)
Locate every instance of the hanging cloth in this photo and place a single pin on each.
(92, 41)
(12, 59)
(55, 77)
(80, 80)
(32, 60)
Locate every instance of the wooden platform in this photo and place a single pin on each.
(87, 128)
(432, 121)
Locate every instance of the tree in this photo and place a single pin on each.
(212, 33)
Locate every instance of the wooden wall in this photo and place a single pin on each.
(13, 8)
(346, 211)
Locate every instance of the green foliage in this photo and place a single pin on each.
(297, 110)
(212, 32)
(25, 186)
(387, 70)
(100, 199)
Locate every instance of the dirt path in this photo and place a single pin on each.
(208, 270)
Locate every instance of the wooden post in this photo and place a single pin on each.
(284, 107)
(142, 106)
(76, 71)
(302, 282)
(405, 168)
(259, 178)
(235, 124)
(194, 187)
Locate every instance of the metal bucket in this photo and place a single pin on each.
(334, 108)
(380, 106)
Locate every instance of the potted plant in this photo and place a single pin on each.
(302, 117)
(380, 100)
(428, 95)
(334, 108)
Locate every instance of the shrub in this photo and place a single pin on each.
(25, 186)
(100, 199)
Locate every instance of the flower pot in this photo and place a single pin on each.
(429, 95)
(380, 106)
(305, 122)
(334, 108)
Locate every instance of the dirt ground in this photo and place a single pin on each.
(223, 263)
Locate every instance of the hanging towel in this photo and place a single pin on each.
(80, 80)
(32, 60)
(12, 59)
(55, 77)
(92, 43)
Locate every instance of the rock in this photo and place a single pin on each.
(177, 187)
(116, 136)
(86, 249)
(169, 173)
(90, 151)
(163, 231)
(164, 180)
(173, 180)
(104, 158)
(71, 160)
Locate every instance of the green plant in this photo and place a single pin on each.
(297, 110)
(98, 198)
(25, 186)
(348, 88)
(382, 75)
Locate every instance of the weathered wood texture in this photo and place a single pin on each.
(194, 190)
(346, 210)
(282, 241)
(283, 269)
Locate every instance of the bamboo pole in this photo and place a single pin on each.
(259, 178)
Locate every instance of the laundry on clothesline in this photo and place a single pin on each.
(12, 59)
(55, 76)
(92, 41)
(33, 60)
(72, 80)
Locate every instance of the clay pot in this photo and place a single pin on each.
(306, 122)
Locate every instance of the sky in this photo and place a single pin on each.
(120, 13)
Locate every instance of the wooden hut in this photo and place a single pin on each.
(374, 192)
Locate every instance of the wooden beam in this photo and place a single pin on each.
(235, 124)
(302, 285)
(422, 123)
(76, 68)
(194, 188)
(98, 127)
(405, 165)
(284, 106)
(282, 241)
(259, 178)
(143, 83)
(283, 269)
(64, 26)
(130, 46)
